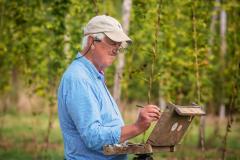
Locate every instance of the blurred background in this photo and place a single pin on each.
(183, 52)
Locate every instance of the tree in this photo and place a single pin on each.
(126, 8)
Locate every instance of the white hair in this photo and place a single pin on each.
(99, 36)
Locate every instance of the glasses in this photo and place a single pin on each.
(117, 48)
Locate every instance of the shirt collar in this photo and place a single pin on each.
(90, 66)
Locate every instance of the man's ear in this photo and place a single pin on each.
(90, 40)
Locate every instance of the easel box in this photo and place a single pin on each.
(166, 134)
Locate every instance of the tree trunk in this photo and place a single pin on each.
(121, 57)
(213, 26)
(15, 87)
(162, 103)
(201, 140)
(214, 19)
(223, 25)
(202, 133)
(67, 38)
(161, 100)
(222, 112)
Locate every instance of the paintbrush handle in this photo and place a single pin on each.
(139, 106)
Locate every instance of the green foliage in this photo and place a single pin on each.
(40, 38)
(175, 69)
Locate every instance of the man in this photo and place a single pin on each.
(88, 115)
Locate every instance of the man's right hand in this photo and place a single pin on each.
(147, 114)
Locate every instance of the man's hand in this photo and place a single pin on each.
(147, 114)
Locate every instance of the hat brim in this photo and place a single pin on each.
(118, 36)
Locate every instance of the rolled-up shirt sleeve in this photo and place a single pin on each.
(84, 109)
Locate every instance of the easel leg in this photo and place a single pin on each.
(143, 157)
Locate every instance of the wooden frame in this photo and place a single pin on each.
(166, 134)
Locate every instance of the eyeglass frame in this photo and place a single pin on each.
(121, 49)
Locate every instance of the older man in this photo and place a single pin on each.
(88, 115)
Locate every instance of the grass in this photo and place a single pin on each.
(24, 134)
(22, 138)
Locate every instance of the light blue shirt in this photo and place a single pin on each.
(88, 115)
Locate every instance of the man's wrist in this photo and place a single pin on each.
(138, 128)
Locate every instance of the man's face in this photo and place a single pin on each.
(105, 52)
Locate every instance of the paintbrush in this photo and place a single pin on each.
(140, 106)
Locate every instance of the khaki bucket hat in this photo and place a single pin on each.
(107, 25)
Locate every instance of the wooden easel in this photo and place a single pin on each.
(166, 134)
